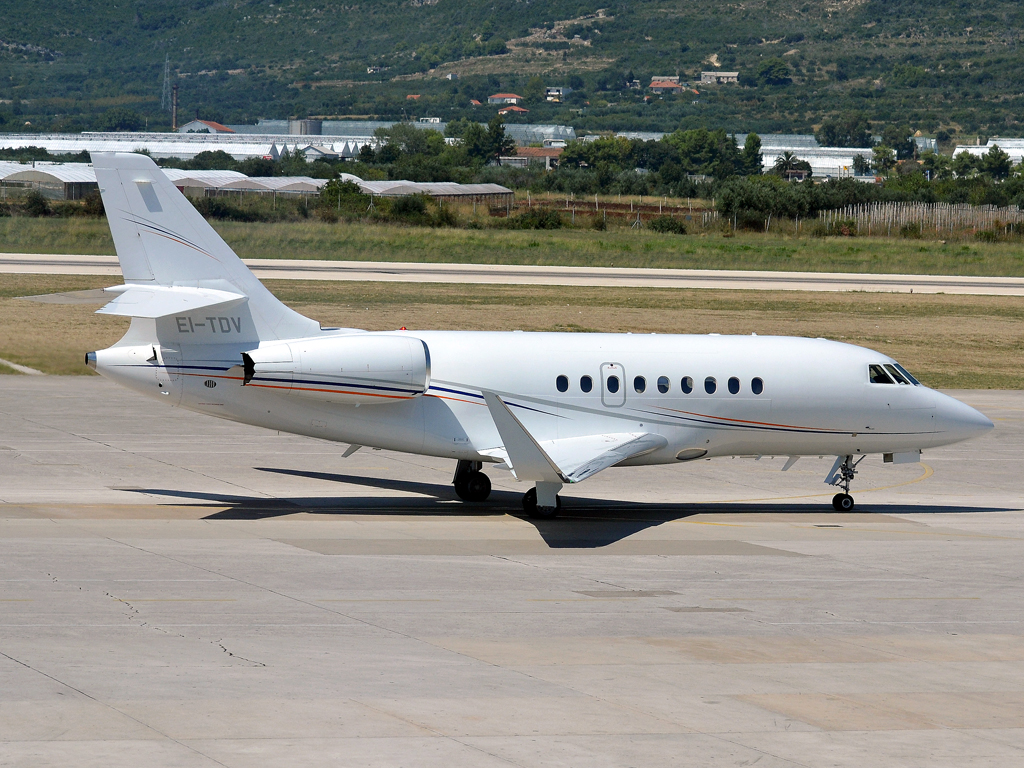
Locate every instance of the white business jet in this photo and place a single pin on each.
(551, 408)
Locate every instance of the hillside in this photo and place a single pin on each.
(937, 65)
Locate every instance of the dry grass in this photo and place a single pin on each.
(618, 247)
(948, 341)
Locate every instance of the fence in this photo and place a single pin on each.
(883, 218)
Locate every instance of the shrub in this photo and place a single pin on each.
(537, 218)
(223, 209)
(668, 224)
(600, 223)
(912, 230)
(35, 204)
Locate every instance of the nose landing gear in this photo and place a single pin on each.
(470, 483)
(841, 475)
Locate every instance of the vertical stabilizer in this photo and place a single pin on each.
(161, 240)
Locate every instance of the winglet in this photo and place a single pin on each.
(528, 459)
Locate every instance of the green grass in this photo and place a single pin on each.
(616, 247)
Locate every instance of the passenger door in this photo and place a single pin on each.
(613, 385)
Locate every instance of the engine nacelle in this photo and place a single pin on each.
(363, 368)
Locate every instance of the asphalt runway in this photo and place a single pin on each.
(298, 269)
(181, 591)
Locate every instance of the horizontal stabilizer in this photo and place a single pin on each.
(568, 460)
(159, 301)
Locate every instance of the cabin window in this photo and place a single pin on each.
(639, 385)
(613, 384)
(906, 373)
(756, 386)
(586, 383)
(710, 385)
(878, 375)
(686, 385)
(663, 384)
(562, 383)
(900, 378)
(734, 385)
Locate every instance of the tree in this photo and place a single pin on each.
(936, 167)
(861, 165)
(849, 130)
(751, 157)
(883, 159)
(774, 71)
(964, 164)
(996, 163)
(488, 144)
(788, 162)
(534, 91)
(576, 83)
(899, 139)
(120, 119)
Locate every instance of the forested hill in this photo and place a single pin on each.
(952, 65)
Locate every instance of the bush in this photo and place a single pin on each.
(537, 218)
(911, 230)
(35, 204)
(224, 210)
(668, 224)
(600, 223)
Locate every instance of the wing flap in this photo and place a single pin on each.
(567, 460)
(582, 457)
(155, 301)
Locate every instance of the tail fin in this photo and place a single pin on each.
(161, 240)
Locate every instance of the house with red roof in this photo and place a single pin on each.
(505, 98)
(204, 126)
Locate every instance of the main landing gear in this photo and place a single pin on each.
(543, 501)
(470, 483)
(843, 472)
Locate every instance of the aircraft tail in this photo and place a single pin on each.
(168, 250)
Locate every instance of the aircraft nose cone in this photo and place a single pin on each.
(961, 422)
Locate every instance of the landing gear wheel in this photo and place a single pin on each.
(542, 513)
(842, 502)
(473, 486)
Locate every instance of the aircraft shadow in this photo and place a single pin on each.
(582, 523)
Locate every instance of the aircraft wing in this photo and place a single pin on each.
(161, 300)
(567, 460)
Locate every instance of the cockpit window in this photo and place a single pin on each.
(906, 373)
(878, 375)
(900, 378)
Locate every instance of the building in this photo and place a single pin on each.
(486, 194)
(526, 156)
(431, 120)
(557, 93)
(512, 110)
(665, 86)
(718, 78)
(204, 126)
(666, 78)
(1013, 147)
(313, 152)
(57, 181)
(475, 103)
(195, 183)
(451, 76)
(504, 98)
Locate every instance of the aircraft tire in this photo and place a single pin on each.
(540, 513)
(475, 486)
(842, 502)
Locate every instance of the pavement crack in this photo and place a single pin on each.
(220, 644)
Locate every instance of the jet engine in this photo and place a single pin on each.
(359, 368)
